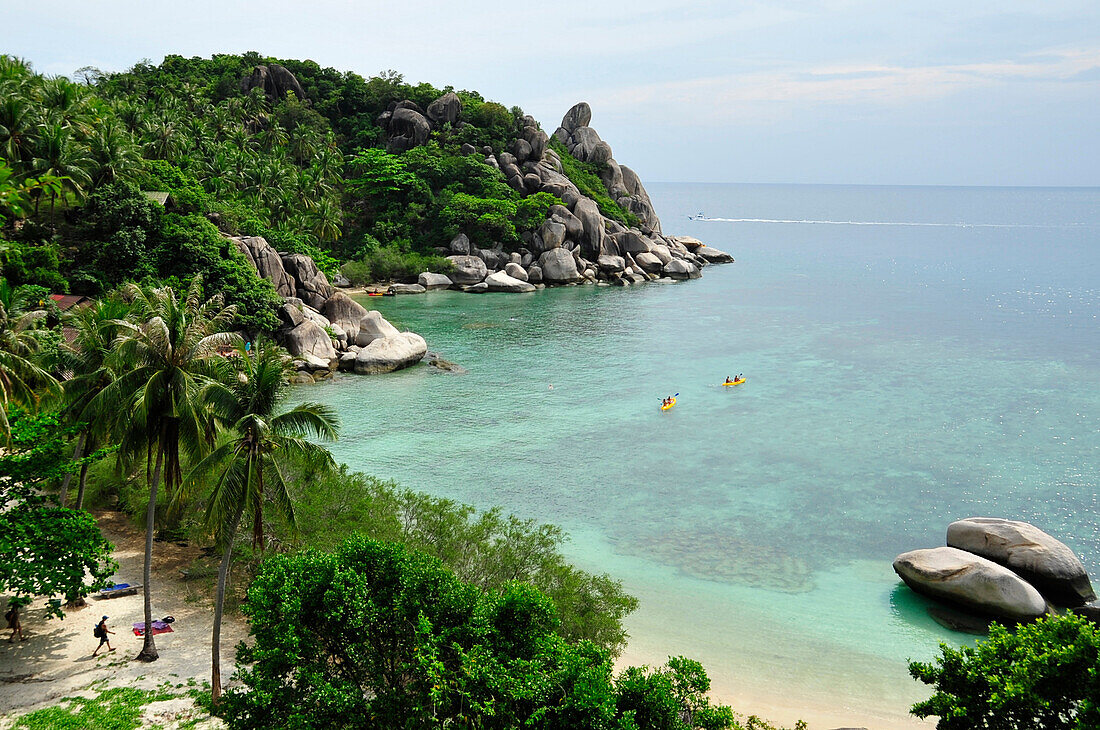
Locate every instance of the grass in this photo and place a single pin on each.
(119, 708)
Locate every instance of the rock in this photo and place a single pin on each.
(347, 360)
(558, 267)
(479, 288)
(688, 242)
(649, 262)
(408, 289)
(585, 141)
(680, 269)
(310, 283)
(340, 281)
(1037, 557)
(387, 354)
(971, 581)
(460, 244)
(962, 621)
(314, 316)
(275, 80)
(344, 312)
(429, 281)
(445, 109)
(373, 327)
(632, 241)
(538, 141)
(534, 275)
(309, 338)
(408, 128)
(521, 148)
(516, 271)
(1091, 612)
(467, 149)
(301, 379)
(713, 255)
(532, 182)
(551, 234)
(578, 116)
(611, 263)
(291, 315)
(499, 281)
(266, 262)
(312, 362)
(467, 269)
(591, 220)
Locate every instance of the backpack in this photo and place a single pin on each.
(98, 632)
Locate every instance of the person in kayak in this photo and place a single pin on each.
(666, 401)
(728, 381)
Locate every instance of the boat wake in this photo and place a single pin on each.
(878, 223)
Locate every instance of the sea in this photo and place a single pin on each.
(913, 355)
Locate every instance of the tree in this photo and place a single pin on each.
(45, 549)
(1041, 676)
(22, 381)
(248, 469)
(154, 406)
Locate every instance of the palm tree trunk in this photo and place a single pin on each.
(77, 453)
(80, 489)
(148, 651)
(219, 601)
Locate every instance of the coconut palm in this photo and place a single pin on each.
(57, 153)
(248, 469)
(90, 369)
(165, 356)
(22, 381)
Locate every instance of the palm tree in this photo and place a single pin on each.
(22, 381)
(165, 354)
(88, 363)
(113, 152)
(58, 154)
(249, 468)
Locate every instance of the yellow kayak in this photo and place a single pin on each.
(735, 382)
(670, 404)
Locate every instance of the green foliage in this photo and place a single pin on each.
(120, 228)
(1042, 676)
(34, 264)
(587, 179)
(186, 191)
(119, 708)
(191, 246)
(44, 549)
(16, 194)
(487, 549)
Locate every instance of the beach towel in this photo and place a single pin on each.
(159, 627)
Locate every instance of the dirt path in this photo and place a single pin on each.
(56, 659)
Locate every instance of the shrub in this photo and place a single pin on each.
(1042, 676)
(586, 178)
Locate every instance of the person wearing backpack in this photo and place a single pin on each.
(16, 626)
(101, 632)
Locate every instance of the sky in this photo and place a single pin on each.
(816, 91)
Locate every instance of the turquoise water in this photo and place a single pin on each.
(914, 356)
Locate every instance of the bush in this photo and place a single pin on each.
(1042, 676)
(586, 178)
(390, 263)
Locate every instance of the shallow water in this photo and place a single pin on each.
(937, 364)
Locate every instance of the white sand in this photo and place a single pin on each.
(56, 659)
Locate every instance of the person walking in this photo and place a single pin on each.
(102, 633)
(14, 623)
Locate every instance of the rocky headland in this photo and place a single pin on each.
(326, 330)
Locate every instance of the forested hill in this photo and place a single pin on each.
(371, 174)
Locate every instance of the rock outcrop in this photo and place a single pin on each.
(274, 80)
(971, 581)
(1043, 561)
(387, 354)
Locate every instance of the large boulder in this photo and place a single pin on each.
(558, 266)
(516, 271)
(612, 264)
(592, 222)
(408, 289)
(467, 269)
(310, 283)
(713, 255)
(551, 234)
(267, 263)
(445, 109)
(387, 354)
(460, 245)
(649, 262)
(344, 312)
(578, 116)
(309, 338)
(499, 281)
(970, 581)
(429, 281)
(275, 81)
(408, 128)
(1046, 563)
(680, 269)
(373, 327)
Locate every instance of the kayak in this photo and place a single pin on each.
(669, 405)
(736, 382)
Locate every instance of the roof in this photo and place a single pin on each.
(65, 302)
(156, 197)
